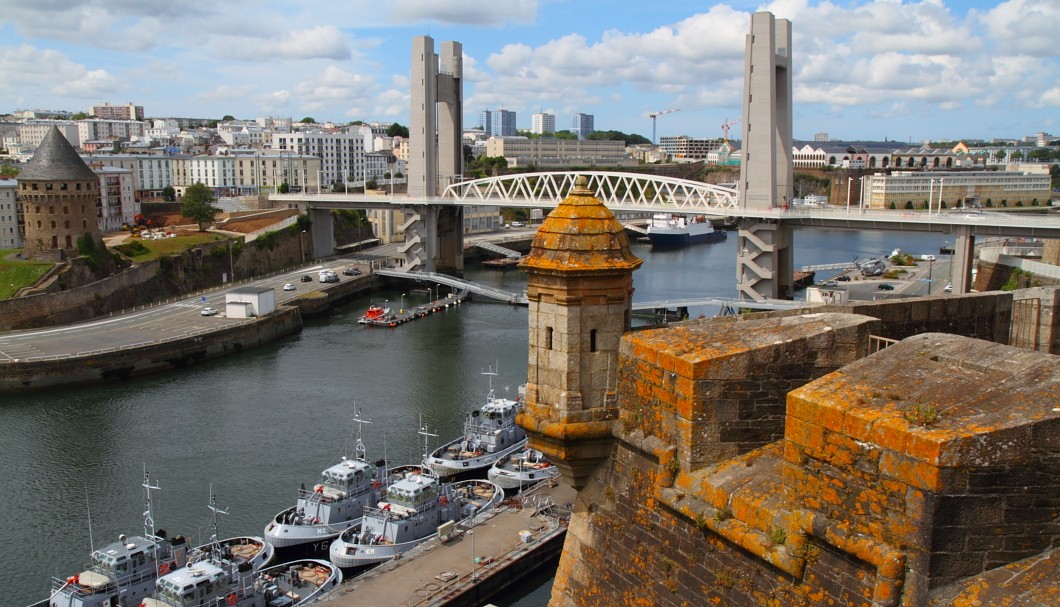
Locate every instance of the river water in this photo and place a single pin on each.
(256, 425)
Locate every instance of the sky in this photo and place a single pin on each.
(893, 70)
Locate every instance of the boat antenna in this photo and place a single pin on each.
(426, 438)
(88, 509)
(149, 518)
(213, 521)
(491, 374)
(359, 450)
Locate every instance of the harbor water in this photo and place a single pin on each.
(253, 426)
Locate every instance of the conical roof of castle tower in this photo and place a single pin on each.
(581, 234)
(57, 160)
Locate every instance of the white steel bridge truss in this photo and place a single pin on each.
(618, 191)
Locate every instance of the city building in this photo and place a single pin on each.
(543, 124)
(945, 189)
(682, 148)
(116, 205)
(102, 130)
(31, 132)
(485, 121)
(559, 153)
(59, 194)
(10, 215)
(341, 153)
(581, 125)
(125, 111)
(502, 123)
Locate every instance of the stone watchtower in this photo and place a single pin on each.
(59, 195)
(580, 287)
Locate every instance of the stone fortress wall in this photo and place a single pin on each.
(775, 460)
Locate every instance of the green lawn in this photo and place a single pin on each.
(169, 246)
(15, 274)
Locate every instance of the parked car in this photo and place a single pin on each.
(351, 272)
(288, 287)
(307, 278)
(843, 278)
(829, 283)
(885, 286)
(948, 288)
(208, 311)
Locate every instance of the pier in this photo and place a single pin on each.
(480, 561)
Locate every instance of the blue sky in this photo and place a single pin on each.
(896, 69)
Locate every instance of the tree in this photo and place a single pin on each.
(564, 135)
(79, 116)
(197, 204)
(631, 139)
(284, 188)
(1017, 155)
(999, 155)
(228, 118)
(169, 194)
(307, 120)
(397, 130)
(9, 171)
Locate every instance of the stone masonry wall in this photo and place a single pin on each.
(899, 475)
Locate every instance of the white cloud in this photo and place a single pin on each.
(27, 67)
(468, 12)
(324, 42)
(1024, 26)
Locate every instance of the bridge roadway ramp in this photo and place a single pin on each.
(456, 283)
(436, 574)
(489, 246)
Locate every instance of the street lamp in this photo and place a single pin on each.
(402, 310)
(301, 245)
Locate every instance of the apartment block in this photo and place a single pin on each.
(10, 215)
(125, 111)
(543, 124)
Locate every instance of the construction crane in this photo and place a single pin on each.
(725, 127)
(655, 115)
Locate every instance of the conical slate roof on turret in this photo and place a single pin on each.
(581, 234)
(55, 159)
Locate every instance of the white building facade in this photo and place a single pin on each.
(93, 130)
(582, 125)
(543, 124)
(116, 205)
(10, 231)
(558, 153)
(945, 189)
(342, 154)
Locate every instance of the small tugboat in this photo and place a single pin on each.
(522, 469)
(334, 505)
(489, 435)
(666, 230)
(378, 312)
(416, 506)
(218, 575)
(125, 571)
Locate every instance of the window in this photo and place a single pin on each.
(592, 340)
(548, 338)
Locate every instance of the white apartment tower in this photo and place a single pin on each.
(543, 124)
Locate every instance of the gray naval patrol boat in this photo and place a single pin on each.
(222, 577)
(123, 572)
(490, 434)
(334, 505)
(418, 507)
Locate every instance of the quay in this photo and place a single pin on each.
(523, 534)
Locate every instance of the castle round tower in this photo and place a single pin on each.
(59, 194)
(580, 289)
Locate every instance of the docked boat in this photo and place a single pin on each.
(335, 504)
(490, 434)
(417, 508)
(122, 572)
(221, 582)
(803, 278)
(522, 469)
(666, 230)
(378, 312)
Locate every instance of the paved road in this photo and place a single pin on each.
(158, 322)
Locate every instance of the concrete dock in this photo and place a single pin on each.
(437, 574)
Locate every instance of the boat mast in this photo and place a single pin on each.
(426, 438)
(491, 374)
(214, 542)
(360, 452)
(149, 518)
